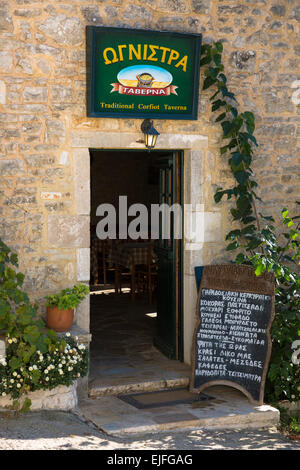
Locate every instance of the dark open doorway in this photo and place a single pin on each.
(136, 314)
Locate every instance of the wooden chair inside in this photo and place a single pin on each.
(146, 276)
(107, 267)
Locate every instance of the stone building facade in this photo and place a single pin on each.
(45, 133)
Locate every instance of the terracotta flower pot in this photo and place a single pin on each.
(59, 320)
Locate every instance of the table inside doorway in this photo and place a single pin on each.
(129, 255)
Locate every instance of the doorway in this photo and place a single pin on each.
(136, 311)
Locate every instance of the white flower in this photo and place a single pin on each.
(60, 371)
(47, 379)
(46, 371)
(30, 368)
(12, 381)
(18, 385)
(15, 340)
(10, 341)
(35, 367)
(68, 334)
(14, 374)
(41, 358)
(3, 394)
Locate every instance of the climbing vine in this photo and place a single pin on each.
(258, 240)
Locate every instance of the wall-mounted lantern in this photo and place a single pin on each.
(150, 133)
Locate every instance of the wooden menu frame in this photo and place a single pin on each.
(238, 278)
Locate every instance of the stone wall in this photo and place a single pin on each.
(59, 398)
(44, 181)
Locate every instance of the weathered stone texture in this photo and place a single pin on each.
(60, 398)
(43, 117)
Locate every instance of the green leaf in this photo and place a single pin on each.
(205, 60)
(208, 82)
(219, 46)
(259, 269)
(237, 158)
(241, 176)
(221, 117)
(232, 246)
(233, 234)
(227, 129)
(15, 363)
(217, 58)
(217, 104)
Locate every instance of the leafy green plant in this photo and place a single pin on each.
(29, 342)
(258, 240)
(289, 421)
(68, 298)
(279, 253)
(66, 362)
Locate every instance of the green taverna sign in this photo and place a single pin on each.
(142, 74)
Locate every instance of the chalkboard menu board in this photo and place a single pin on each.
(232, 343)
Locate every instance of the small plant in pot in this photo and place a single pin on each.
(60, 307)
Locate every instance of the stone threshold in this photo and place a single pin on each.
(139, 386)
(229, 409)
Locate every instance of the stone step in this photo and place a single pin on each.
(138, 386)
(228, 409)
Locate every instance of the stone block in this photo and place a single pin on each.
(39, 160)
(11, 167)
(61, 94)
(64, 158)
(83, 264)
(6, 24)
(201, 6)
(174, 5)
(69, 231)
(91, 14)
(60, 398)
(2, 92)
(6, 61)
(82, 181)
(82, 314)
(55, 131)
(136, 12)
(35, 94)
(44, 278)
(63, 30)
(28, 13)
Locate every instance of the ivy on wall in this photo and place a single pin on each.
(259, 241)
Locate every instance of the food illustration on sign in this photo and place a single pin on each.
(144, 80)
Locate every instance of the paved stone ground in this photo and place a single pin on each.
(54, 430)
(121, 350)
